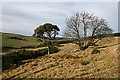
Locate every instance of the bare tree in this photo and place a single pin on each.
(85, 21)
(73, 25)
(99, 28)
(82, 25)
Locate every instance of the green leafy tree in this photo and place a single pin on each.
(46, 33)
(38, 32)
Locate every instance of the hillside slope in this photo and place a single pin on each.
(72, 63)
(16, 40)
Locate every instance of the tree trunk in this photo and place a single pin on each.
(49, 47)
(48, 51)
(85, 32)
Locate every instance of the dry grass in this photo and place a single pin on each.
(70, 64)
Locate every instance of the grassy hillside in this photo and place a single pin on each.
(71, 62)
(8, 41)
(11, 40)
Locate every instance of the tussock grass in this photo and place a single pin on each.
(70, 64)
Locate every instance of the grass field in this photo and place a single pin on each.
(27, 40)
(68, 63)
(7, 42)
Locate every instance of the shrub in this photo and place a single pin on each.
(64, 41)
(15, 57)
(53, 49)
(17, 38)
(85, 62)
(95, 51)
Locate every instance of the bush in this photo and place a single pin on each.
(65, 41)
(16, 57)
(85, 62)
(24, 54)
(17, 38)
(95, 51)
(53, 49)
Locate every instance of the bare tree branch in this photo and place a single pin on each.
(81, 24)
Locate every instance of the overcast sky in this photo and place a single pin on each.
(24, 17)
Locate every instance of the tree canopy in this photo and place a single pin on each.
(47, 30)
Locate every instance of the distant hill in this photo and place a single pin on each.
(11, 40)
(17, 40)
(116, 34)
